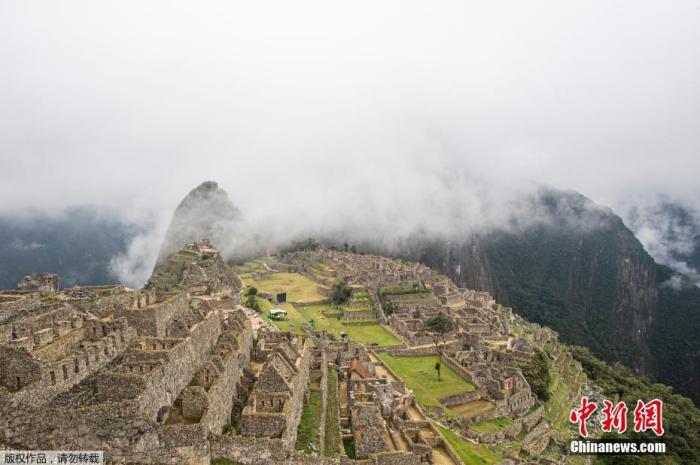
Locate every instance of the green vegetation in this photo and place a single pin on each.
(491, 426)
(340, 293)
(469, 453)
(332, 433)
(680, 417)
(303, 245)
(674, 338)
(536, 372)
(48, 298)
(438, 327)
(566, 277)
(223, 462)
(298, 287)
(558, 406)
(349, 446)
(368, 332)
(405, 293)
(308, 431)
(246, 270)
(250, 300)
(419, 375)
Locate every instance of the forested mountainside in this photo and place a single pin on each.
(583, 273)
(578, 269)
(77, 243)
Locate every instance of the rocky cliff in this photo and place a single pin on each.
(577, 269)
(205, 213)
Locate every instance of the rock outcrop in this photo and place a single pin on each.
(206, 212)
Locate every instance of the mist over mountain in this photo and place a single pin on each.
(579, 271)
(555, 256)
(412, 129)
(670, 231)
(206, 212)
(77, 243)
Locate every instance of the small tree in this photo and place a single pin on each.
(251, 301)
(250, 291)
(340, 293)
(438, 327)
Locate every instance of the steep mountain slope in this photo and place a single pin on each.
(675, 335)
(670, 231)
(196, 265)
(206, 212)
(579, 270)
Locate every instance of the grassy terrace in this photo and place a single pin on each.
(298, 287)
(420, 376)
(557, 408)
(491, 426)
(301, 289)
(246, 270)
(469, 453)
(368, 333)
(308, 431)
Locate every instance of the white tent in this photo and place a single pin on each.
(278, 311)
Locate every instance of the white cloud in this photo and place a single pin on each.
(412, 112)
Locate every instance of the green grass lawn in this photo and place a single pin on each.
(246, 270)
(491, 426)
(298, 287)
(308, 431)
(420, 376)
(365, 334)
(469, 453)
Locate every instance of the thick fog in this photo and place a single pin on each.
(387, 116)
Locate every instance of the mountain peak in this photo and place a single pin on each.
(206, 212)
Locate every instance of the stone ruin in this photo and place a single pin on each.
(174, 373)
(39, 282)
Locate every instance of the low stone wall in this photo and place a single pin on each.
(248, 450)
(538, 438)
(460, 398)
(404, 351)
(171, 445)
(378, 306)
(263, 451)
(532, 418)
(489, 415)
(365, 314)
(454, 364)
(507, 433)
(301, 387)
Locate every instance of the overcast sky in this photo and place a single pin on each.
(300, 104)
